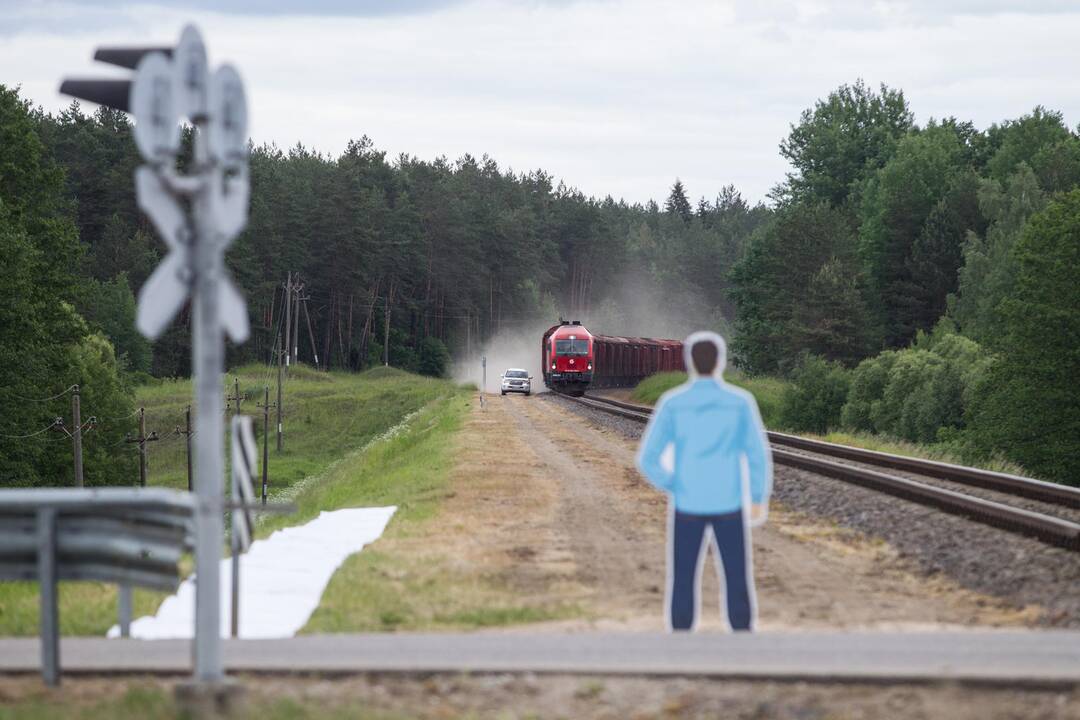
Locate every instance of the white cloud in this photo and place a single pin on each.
(615, 97)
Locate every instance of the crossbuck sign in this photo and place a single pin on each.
(198, 215)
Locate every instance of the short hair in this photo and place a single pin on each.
(704, 353)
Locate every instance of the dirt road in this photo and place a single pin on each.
(552, 508)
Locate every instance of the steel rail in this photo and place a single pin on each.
(1055, 493)
(1047, 528)
(1001, 482)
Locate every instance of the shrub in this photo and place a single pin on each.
(909, 407)
(868, 382)
(814, 400)
(920, 394)
(433, 358)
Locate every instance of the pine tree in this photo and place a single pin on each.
(677, 202)
(1030, 404)
(46, 346)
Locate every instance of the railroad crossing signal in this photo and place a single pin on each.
(168, 86)
(198, 215)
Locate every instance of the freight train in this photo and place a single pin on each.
(574, 359)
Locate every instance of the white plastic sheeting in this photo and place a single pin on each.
(282, 578)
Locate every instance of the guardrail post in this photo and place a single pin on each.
(124, 610)
(234, 545)
(47, 578)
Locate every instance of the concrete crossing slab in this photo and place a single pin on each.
(1005, 657)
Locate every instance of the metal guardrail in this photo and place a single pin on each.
(1050, 529)
(131, 537)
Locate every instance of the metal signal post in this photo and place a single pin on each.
(169, 85)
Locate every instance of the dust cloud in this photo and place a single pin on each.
(516, 347)
(640, 307)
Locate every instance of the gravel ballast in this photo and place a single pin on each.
(1020, 570)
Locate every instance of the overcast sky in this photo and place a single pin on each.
(615, 97)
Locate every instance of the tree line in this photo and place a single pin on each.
(889, 245)
(922, 281)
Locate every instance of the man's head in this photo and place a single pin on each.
(705, 354)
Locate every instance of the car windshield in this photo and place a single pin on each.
(572, 347)
(516, 374)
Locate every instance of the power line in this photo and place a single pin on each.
(54, 424)
(132, 414)
(43, 400)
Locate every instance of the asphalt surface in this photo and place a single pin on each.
(1014, 657)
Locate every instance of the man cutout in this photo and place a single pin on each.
(705, 445)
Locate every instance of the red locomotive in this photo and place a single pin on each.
(574, 359)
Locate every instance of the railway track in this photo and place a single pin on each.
(1031, 507)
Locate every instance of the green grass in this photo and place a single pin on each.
(766, 390)
(325, 415)
(328, 417)
(147, 699)
(883, 443)
(137, 702)
(405, 466)
(404, 582)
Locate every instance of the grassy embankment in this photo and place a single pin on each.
(378, 438)
(769, 392)
(336, 455)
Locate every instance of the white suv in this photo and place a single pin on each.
(516, 380)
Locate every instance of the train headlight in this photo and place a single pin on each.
(590, 366)
(552, 365)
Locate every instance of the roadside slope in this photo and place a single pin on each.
(331, 419)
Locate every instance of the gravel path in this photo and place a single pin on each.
(1017, 569)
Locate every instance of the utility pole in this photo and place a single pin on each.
(76, 436)
(235, 397)
(311, 335)
(386, 328)
(142, 440)
(288, 317)
(279, 404)
(296, 319)
(187, 433)
(266, 442)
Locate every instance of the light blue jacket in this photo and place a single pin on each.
(712, 427)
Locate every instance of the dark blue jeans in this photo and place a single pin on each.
(686, 548)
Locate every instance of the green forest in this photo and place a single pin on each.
(914, 281)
